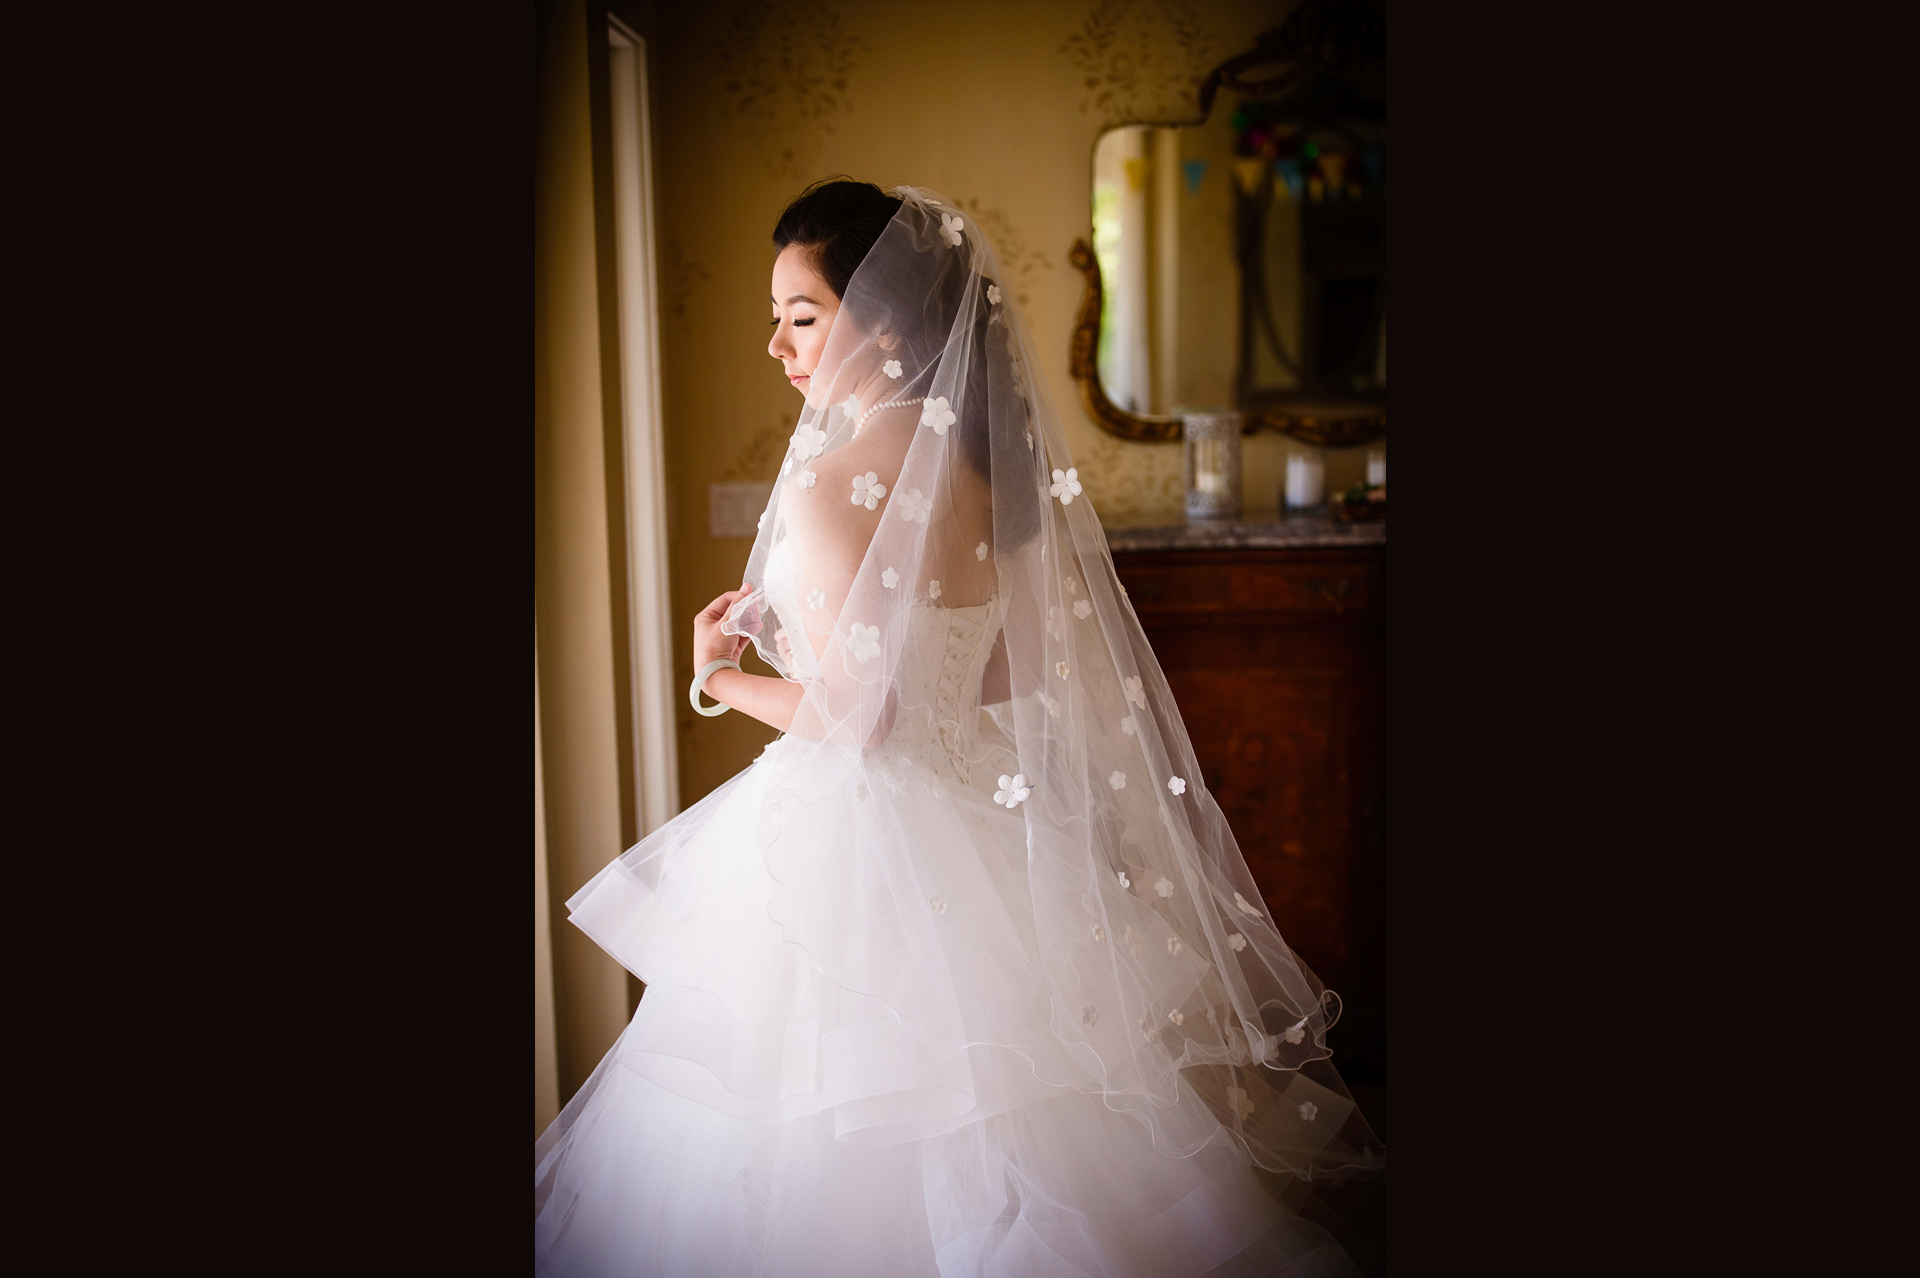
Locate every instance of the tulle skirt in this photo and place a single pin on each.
(844, 1062)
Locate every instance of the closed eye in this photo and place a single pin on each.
(799, 323)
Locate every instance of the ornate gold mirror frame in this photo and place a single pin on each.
(1320, 36)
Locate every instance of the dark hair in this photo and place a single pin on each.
(838, 221)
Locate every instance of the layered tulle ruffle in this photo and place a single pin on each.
(846, 1062)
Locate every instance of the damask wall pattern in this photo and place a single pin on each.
(1139, 483)
(1143, 60)
(682, 275)
(1018, 259)
(785, 80)
(758, 459)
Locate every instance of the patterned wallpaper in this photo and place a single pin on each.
(784, 83)
(1143, 59)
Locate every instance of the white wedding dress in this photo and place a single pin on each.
(844, 1064)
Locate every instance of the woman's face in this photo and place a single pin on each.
(804, 308)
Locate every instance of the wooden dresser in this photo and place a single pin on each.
(1273, 639)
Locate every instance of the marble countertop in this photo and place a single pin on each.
(1295, 530)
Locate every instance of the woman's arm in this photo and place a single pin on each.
(771, 701)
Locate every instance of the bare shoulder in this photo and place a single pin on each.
(824, 515)
(875, 453)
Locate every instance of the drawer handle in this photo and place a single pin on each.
(1336, 594)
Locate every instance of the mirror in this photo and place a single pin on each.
(1239, 261)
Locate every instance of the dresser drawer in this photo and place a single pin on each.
(1160, 582)
(1276, 661)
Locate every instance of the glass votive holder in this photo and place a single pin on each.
(1376, 467)
(1306, 485)
(1211, 449)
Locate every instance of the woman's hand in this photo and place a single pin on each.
(709, 644)
(771, 701)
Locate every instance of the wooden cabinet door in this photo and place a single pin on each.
(1275, 659)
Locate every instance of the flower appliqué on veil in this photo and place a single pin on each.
(1175, 946)
(1236, 942)
(950, 227)
(1089, 1015)
(993, 294)
(1177, 784)
(937, 414)
(889, 579)
(933, 590)
(937, 905)
(1082, 609)
(1241, 1102)
(808, 442)
(1054, 627)
(1118, 780)
(980, 552)
(808, 478)
(1133, 942)
(1241, 902)
(1053, 707)
(816, 599)
(1164, 887)
(1062, 669)
(1136, 691)
(1128, 726)
(852, 404)
(1124, 883)
(868, 490)
(1073, 587)
(1297, 1031)
(1099, 932)
(1066, 485)
(865, 641)
(1177, 1016)
(913, 507)
(892, 368)
(1309, 1110)
(1013, 791)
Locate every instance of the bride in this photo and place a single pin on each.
(965, 974)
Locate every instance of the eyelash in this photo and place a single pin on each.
(797, 323)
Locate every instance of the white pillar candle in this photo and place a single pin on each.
(1306, 481)
(1376, 469)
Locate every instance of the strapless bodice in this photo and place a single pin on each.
(937, 724)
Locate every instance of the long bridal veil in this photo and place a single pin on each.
(1168, 991)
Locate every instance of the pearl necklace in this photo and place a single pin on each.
(892, 403)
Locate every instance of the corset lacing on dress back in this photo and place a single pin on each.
(937, 727)
(939, 716)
